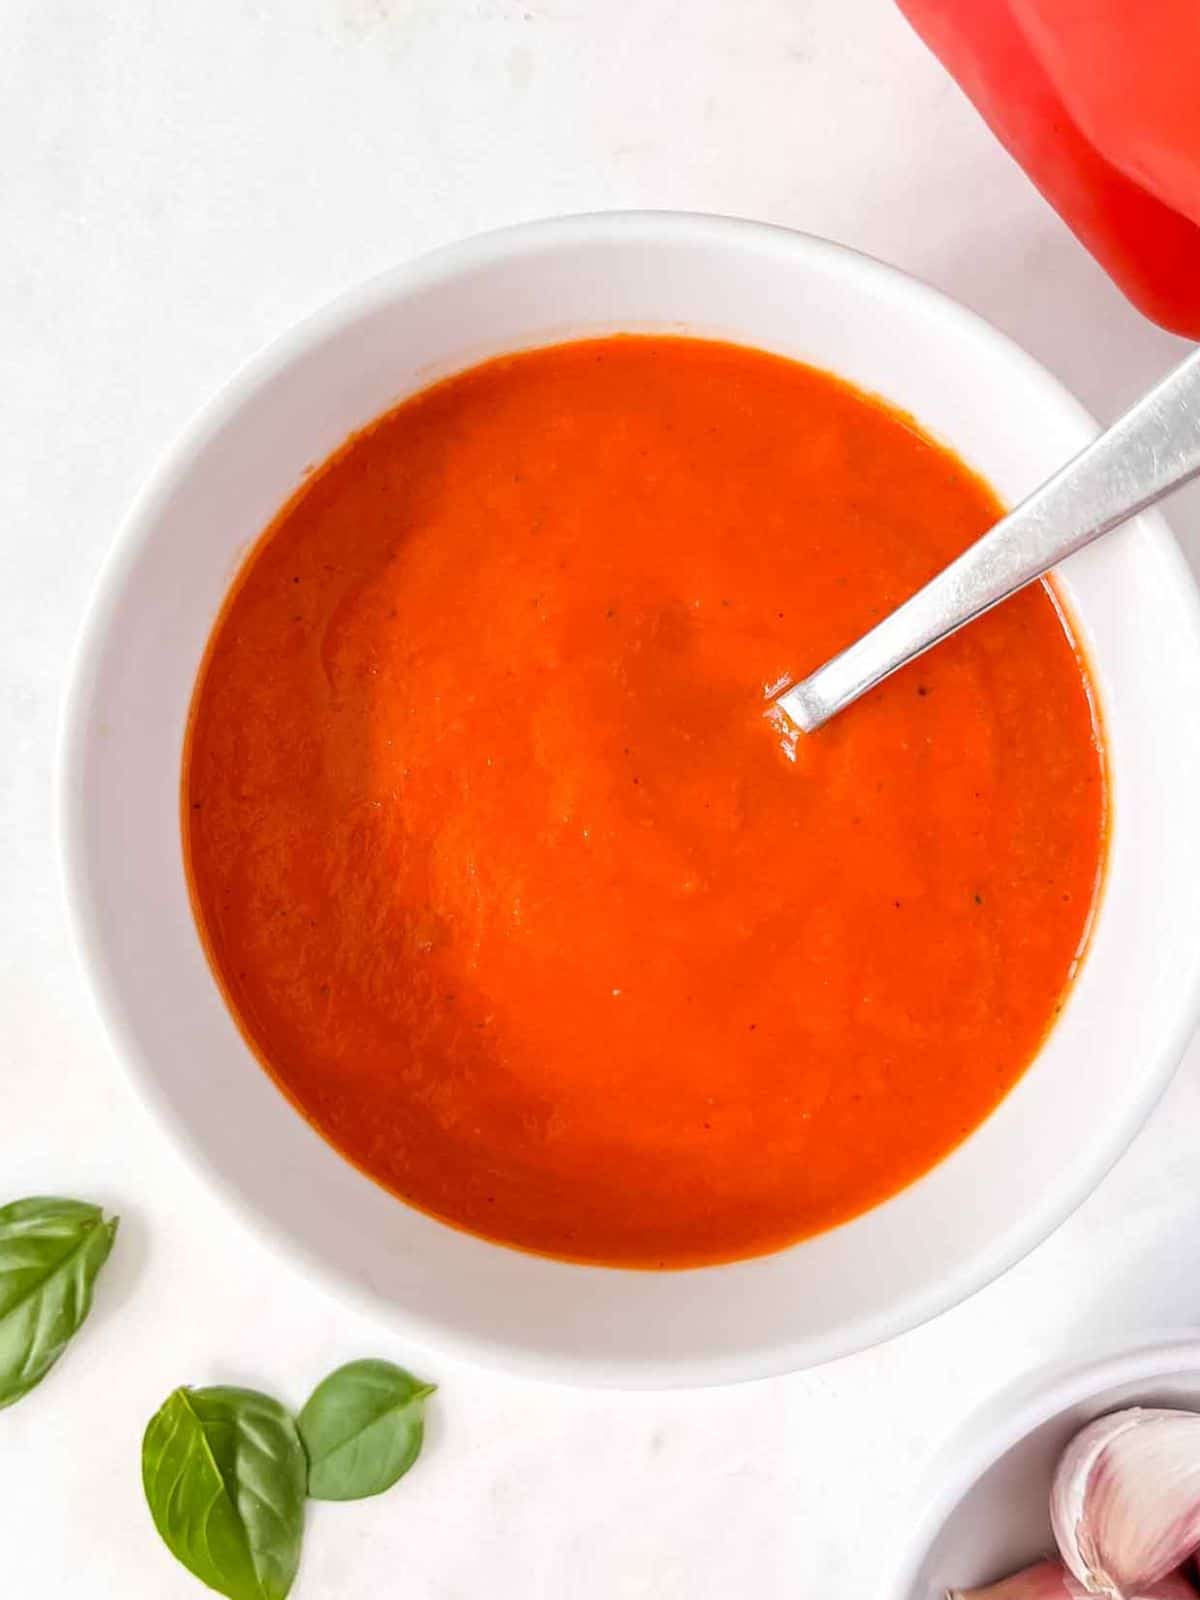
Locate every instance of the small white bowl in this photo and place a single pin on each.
(987, 1513)
(1107, 1060)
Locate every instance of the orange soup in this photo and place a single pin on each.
(505, 874)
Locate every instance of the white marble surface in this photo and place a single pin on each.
(180, 182)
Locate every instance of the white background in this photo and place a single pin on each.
(180, 181)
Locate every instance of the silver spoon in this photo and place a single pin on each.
(1152, 449)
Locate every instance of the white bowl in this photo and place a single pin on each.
(1108, 1058)
(987, 1512)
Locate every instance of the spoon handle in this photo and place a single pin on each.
(1151, 450)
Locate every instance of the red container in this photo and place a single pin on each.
(1099, 101)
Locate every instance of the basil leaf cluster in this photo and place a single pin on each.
(227, 1471)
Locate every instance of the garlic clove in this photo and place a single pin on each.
(1175, 1586)
(1125, 1501)
(1050, 1580)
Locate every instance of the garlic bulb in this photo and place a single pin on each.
(1050, 1580)
(1125, 1502)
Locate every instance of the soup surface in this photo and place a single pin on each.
(509, 881)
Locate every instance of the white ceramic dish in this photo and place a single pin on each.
(987, 1510)
(1128, 1017)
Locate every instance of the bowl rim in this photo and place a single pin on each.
(1000, 1423)
(136, 531)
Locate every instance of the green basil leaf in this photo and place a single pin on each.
(362, 1428)
(224, 1474)
(50, 1253)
